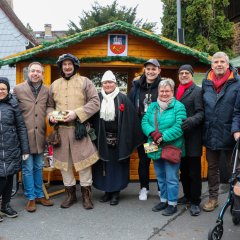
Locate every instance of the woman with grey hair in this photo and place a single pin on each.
(162, 125)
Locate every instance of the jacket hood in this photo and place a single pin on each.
(143, 82)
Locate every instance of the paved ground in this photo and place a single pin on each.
(130, 220)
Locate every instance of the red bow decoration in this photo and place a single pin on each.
(121, 107)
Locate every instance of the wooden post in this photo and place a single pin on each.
(47, 74)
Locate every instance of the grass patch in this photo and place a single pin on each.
(198, 78)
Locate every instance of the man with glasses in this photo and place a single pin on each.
(190, 95)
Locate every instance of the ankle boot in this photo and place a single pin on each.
(87, 197)
(71, 197)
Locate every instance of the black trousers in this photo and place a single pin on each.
(143, 168)
(6, 185)
(190, 177)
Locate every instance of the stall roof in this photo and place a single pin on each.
(101, 30)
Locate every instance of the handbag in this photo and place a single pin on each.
(54, 138)
(169, 152)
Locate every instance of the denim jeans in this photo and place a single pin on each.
(32, 176)
(168, 180)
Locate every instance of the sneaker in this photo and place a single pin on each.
(8, 211)
(143, 194)
(195, 210)
(210, 205)
(1, 219)
(170, 210)
(159, 207)
(183, 201)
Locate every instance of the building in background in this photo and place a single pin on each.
(48, 35)
(14, 38)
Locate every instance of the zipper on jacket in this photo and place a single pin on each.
(3, 153)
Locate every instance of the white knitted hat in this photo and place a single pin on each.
(108, 76)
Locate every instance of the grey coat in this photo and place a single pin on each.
(193, 102)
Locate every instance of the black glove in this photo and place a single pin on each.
(80, 130)
(155, 136)
(186, 124)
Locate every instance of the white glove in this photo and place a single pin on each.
(25, 157)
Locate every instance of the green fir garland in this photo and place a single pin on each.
(102, 30)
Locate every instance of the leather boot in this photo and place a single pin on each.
(31, 207)
(71, 197)
(87, 197)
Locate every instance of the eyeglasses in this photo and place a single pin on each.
(184, 73)
(165, 91)
(3, 89)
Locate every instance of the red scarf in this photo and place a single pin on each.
(181, 89)
(218, 83)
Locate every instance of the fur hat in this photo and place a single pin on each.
(108, 76)
(5, 81)
(186, 67)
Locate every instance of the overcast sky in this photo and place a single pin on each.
(59, 12)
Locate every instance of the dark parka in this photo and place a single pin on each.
(193, 101)
(13, 137)
(236, 115)
(219, 113)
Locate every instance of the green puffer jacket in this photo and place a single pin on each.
(169, 124)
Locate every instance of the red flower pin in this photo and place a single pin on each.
(121, 107)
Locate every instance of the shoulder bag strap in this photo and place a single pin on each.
(155, 119)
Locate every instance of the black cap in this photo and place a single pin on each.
(5, 81)
(186, 67)
(153, 62)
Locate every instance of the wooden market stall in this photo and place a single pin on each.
(118, 46)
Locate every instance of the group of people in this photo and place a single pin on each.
(154, 112)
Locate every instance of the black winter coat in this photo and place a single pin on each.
(129, 134)
(13, 137)
(219, 113)
(193, 102)
(138, 93)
